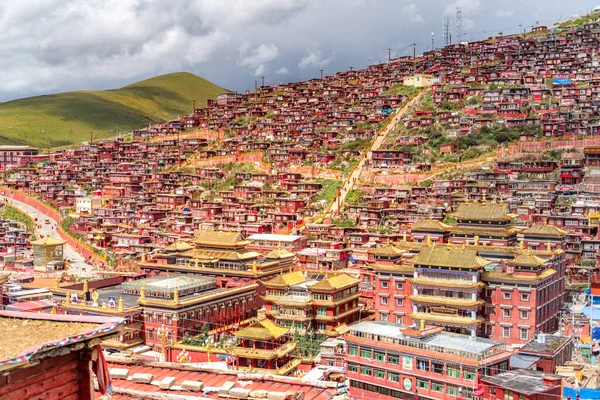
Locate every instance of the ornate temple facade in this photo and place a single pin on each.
(323, 302)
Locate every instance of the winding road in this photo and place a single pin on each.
(78, 265)
(348, 185)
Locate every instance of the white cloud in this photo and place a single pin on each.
(258, 58)
(504, 13)
(467, 6)
(314, 58)
(412, 12)
(282, 71)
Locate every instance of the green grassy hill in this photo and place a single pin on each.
(67, 118)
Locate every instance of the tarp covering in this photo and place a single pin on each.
(561, 81)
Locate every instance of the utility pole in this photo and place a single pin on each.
(389, 55)
(432, 41)
(459, 24)
(321, 74)
(414, 45)
(263, 81)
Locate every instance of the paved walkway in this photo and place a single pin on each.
(348, 184)
(78, 264)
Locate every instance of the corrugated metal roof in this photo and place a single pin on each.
(209, 380)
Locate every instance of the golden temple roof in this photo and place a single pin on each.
(220, 239)
(430, 225)
(545, 230)
(482, 212)
(388, 250)
(47, 241)
(289, 279)
(449, 301)
(179, 246)
(450, 256)
(447, 319)
(335, 282)
(528, 260)
(392, 268)
(279, 254)
(504, 276)
(264, 329)
(4, 277)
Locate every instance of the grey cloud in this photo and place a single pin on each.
(56, 45)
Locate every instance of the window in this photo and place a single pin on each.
(506, 332)
(366, 353)
(508, 395)
(353, 350)
(524, 314)
(379, 356)
(524, 296)
(469, 375)
(392, 377)
(437, 387)
(366, 370)
(422, 384)
(384, 284)
(352, 368)
(522, 396)
(453, 372)
(393, 359)
(322, 311)
(383, 317)
(379, 373)
(423, 365)
(399, 285)
(524, 334)
(399, 302)
(452, 390)
(506, 312)
(383, 300)
(506, 295)
(437, 368)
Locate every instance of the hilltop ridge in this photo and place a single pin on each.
(67, 118)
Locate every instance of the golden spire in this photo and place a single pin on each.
(254, 267)
(521, 245)
(467, 200)
(121, 304)
(501, 200)
(404, 236)
(68, 299)
(53, 310)
(476, 240)
(143, 293)
(143, 257)
(176, 296)
(85, 286)
(483, 198)
(56, 285)
(422, 327)
(429, 240)
(388, 241)
(548, 246)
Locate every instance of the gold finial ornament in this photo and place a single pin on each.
(143, 293)
(548, 246)
(422, 326)
(85, 286)
(121, 305)
(176, 296)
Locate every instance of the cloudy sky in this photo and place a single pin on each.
(48, 46)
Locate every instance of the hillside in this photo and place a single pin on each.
(67, 118)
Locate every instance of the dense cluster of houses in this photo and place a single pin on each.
(416, 290)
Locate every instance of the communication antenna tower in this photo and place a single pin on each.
(446, 32)
(459, 24)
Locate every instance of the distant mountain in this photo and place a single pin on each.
(68, 118)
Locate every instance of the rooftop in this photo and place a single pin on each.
(482, 212)
(545, 344)
(523, 381)
(25, 334)
(450, 256)
(275, 237)
(171, 283)
(442, 342)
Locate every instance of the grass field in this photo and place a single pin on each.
(68, 118)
